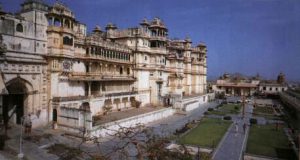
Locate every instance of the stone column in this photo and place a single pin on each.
(90, 67)
(52, 24)
(62, 23)
(89, 91)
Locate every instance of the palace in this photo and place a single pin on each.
(52, 68)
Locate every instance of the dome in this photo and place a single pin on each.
(157, 22)
(201, 44)
(144, 22)
(188, 39)
(110, 26)
(97, 29)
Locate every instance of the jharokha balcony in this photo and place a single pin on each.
(90, 76)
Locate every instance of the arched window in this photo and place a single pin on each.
(57, 22)
(67, 41)
(50, 22)
(19, 27)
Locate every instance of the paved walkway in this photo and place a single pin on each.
(162, 127)
(232, 145)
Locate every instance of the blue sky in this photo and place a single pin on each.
(246, 36)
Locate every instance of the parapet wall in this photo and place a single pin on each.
(190, 104)
(111, 127)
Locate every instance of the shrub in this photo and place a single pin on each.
(236, 107)
(253, 121)
(135, 103)
(224, 102)
(107, 108)
(227, 118)
(206, 113)
(210, 109)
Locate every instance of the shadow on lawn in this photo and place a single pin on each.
(286, 153)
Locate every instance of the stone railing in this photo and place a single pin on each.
(101, 75)
(60, 29)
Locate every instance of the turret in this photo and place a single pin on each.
(281, 78)
(110, 30)
(145, 23)
(97, 30)
(159, 33)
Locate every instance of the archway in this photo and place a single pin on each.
(14, 101)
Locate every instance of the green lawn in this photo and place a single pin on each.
(227, 109)
(263, 110)
(207, 134)
(265, 140)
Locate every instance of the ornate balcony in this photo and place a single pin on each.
(82, 76)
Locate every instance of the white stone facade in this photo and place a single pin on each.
(22, 65)
(58, 67)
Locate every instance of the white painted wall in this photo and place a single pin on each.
(79, 67)
(109, 128)
(143, 79)
(66, 89)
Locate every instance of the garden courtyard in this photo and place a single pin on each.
(269, 140)
(207, 134)
(266, 133)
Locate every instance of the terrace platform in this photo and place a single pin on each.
(118, 115)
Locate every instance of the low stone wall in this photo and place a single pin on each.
(193, 150)
(257, 157)
(74, 120)
(190, 104)
(111, 127)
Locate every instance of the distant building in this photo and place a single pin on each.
(273, 87)
(236, 85)
(245, 86)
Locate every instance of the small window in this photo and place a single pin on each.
(19, 27)
(264, 88)
(146, 58)
(121, 70)
(128, 71)
(270, 88)
(67, 24)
